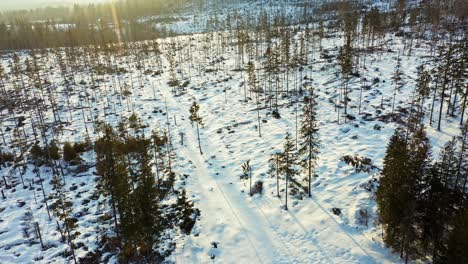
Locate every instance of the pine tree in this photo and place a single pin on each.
(397, 77)
(445, 68)
(419, 150)
(173, 81)
(111, 165)
(146, 198)
(275, 170)
(309, 138)
(195, 117)
(388, 196)
(247, 170)
(457, 245)
(346, 62)
(253, 87)
(288, 160)
(69, 153)
(422, 88)
(462, 168)
(62, 209)
(186, 213)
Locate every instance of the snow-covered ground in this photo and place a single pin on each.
(246, 229)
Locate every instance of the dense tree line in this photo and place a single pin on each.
(422, 203)
(122, 21)
(125, 162)
(84, 24)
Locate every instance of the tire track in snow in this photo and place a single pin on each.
(202, 170)
(297, 221)
(280, 236)
(307, 233)
(277, 234)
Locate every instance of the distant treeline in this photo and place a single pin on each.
(131, 20)
(83, 24)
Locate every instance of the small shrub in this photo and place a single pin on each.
(36, 152)
(128, 252)
(257, 188)
(53, 151)
(69, 153)
(336, 211)
(363, 216)
(84, 146)
(6, 157)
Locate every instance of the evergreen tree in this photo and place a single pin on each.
(457, 245)
(397, 78)
(346, 62)
(62, 209)
(159, 147)
(388, 196)
(69, 153)
(186, 213)
(247, 170)
(288, 161)
(146, 198)
(430, 214)
(111, 165)
(195, 117)
(309, 138)
(418, 165)
(422, 89)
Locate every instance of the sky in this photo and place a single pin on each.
(27, 4)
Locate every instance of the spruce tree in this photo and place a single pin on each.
(388, 197)
(418, 165)
(457, 244)
(309, 138)
(422, 86)
(430, 215)
(186, 213)
(146, 198)
(288, 160)
(69, 153)
(195, 117)
(247, 170)
(62, 209)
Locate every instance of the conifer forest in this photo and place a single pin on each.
(234, 131)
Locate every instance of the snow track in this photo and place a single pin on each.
(227, 205)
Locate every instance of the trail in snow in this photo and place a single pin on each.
(226, 203)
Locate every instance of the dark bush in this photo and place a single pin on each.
(36, 152)
(336, 211)
(84, 146)
(6, 157)
(69, 153)
(53, 151)
(257, 188)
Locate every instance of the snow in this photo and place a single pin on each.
(247, 229)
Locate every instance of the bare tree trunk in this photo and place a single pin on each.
(198, 135)
(277, 175)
